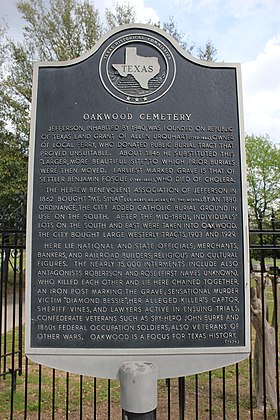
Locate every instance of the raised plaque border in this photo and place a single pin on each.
(105, 363)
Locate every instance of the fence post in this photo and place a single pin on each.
(138, 390)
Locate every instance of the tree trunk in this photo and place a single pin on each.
(276, 300)
(268, 335)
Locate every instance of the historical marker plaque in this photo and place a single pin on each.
(137, 218)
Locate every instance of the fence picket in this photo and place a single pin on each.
(204, 391)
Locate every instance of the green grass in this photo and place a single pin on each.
(194, 383)
(58, 381)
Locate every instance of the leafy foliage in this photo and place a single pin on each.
(55, 31)
(62, 30)
(171, 28)
(13, 172)
(208, 53)
(15, 93)
(263, 175)
(122, 15)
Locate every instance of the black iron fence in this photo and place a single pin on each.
(248, 390)
(12, 249)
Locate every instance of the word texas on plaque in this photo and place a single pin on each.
(137, 223)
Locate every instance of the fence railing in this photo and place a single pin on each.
(248, 390)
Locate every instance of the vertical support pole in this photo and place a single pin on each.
(138, 391)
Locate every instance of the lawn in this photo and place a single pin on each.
(222, 393)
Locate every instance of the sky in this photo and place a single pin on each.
(242, 31)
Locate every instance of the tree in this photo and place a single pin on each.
(208, 53)
(15, 94)
(171, 28)
(61, 30)
(265, 339)
(263, 175)
(2, 34)
(122, 15)
(13, 172)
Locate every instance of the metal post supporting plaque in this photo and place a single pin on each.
(138, 391)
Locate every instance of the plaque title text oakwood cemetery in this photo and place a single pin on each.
(137, 223)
